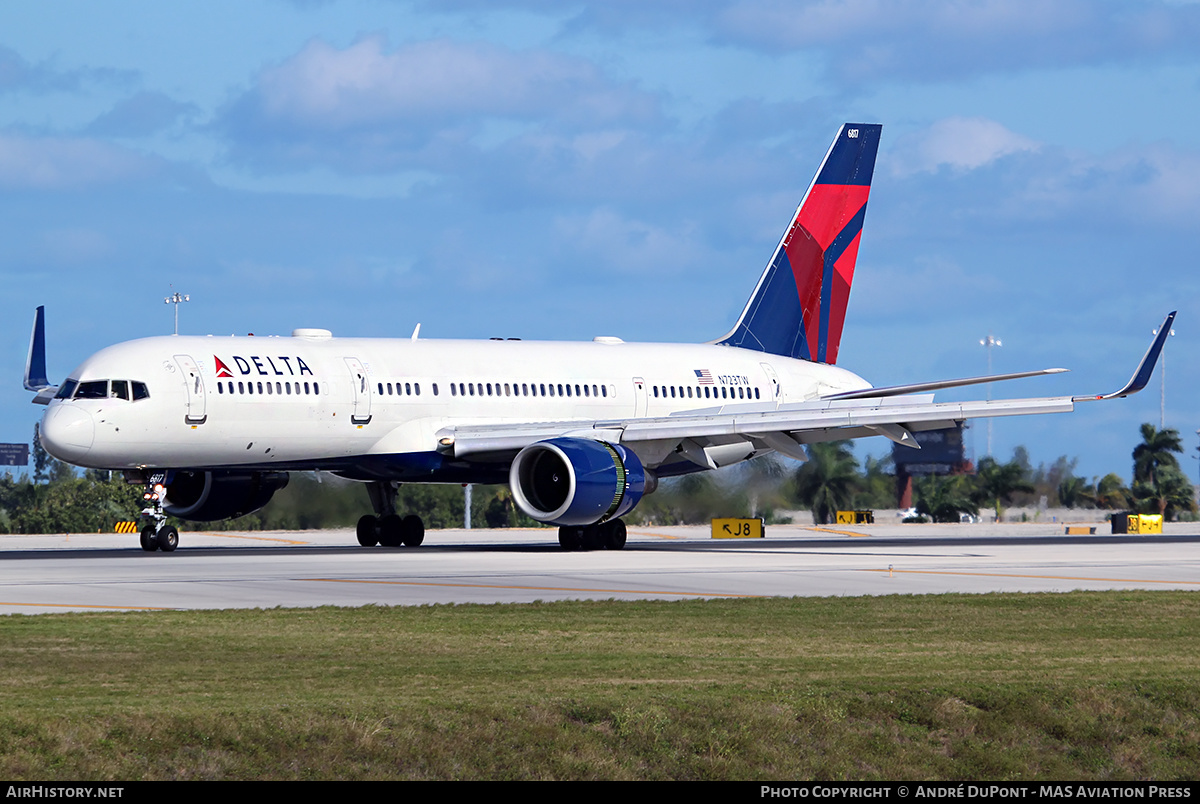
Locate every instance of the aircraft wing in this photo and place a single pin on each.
(706, 436)
(718, 436)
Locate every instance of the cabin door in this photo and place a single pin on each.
(362, 391)
(639, 397)
(196, 412)
(773, 379)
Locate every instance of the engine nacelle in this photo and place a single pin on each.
(208, 496)
(576, 481)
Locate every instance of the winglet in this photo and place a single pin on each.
(35, 364)
(1142, 376)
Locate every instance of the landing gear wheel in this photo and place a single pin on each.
(614, 535)
(570, 538)
(149, 539)
(391, 531)
(412, 530)
(367, 531)
(168, 539)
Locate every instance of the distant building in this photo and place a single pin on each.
(941, 453)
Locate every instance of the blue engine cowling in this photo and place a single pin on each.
(209, 496)
(576, 481)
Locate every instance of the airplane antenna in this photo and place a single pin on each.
(176, 299)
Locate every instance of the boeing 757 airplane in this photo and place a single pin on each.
(211, 426)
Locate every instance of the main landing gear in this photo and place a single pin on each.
(387, 527)
(604, 536)
(157, 534)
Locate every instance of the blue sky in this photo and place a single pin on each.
(564, 170)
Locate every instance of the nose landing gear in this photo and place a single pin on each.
(157, 534)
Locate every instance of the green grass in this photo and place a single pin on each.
(1078, 686)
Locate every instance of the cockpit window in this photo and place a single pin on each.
(94, 389)
(103, 389)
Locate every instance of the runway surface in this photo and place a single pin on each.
(90, 572)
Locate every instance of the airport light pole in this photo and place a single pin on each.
(177, 299)
(1198, 450)
(1162, 402)
(988, 343)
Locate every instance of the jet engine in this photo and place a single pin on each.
(212, 495)
(577, 481)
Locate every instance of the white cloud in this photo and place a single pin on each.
(932, 39)
(55, 163)
(1157, 184)
(629, 246)
(435, 104)
(961, 143)
(327, 88)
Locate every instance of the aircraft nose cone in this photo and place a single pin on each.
(67, 433)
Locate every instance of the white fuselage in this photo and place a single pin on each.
(304, 401)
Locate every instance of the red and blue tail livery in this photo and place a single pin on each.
(798, 308)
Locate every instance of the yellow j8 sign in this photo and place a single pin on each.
(737, 529)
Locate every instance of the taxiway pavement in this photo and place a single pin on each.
(210, 570)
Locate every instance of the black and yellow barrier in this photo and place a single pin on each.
(1137, 523)
(738, 529)
(125, 527)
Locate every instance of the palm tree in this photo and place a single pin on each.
(1155, 452)
(1170, 493)
(1159, 485)
(1075, 492)
(997, 482)
(1111, 492)
(826, 482)
(945, 499)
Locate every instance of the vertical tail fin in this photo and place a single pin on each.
(799, 306)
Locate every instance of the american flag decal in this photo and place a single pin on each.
(703, 376)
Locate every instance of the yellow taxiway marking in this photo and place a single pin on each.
(1015, 575)
(842, 532)
(87, 606)
(531, 588)
(244, 536)
(657, 535)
